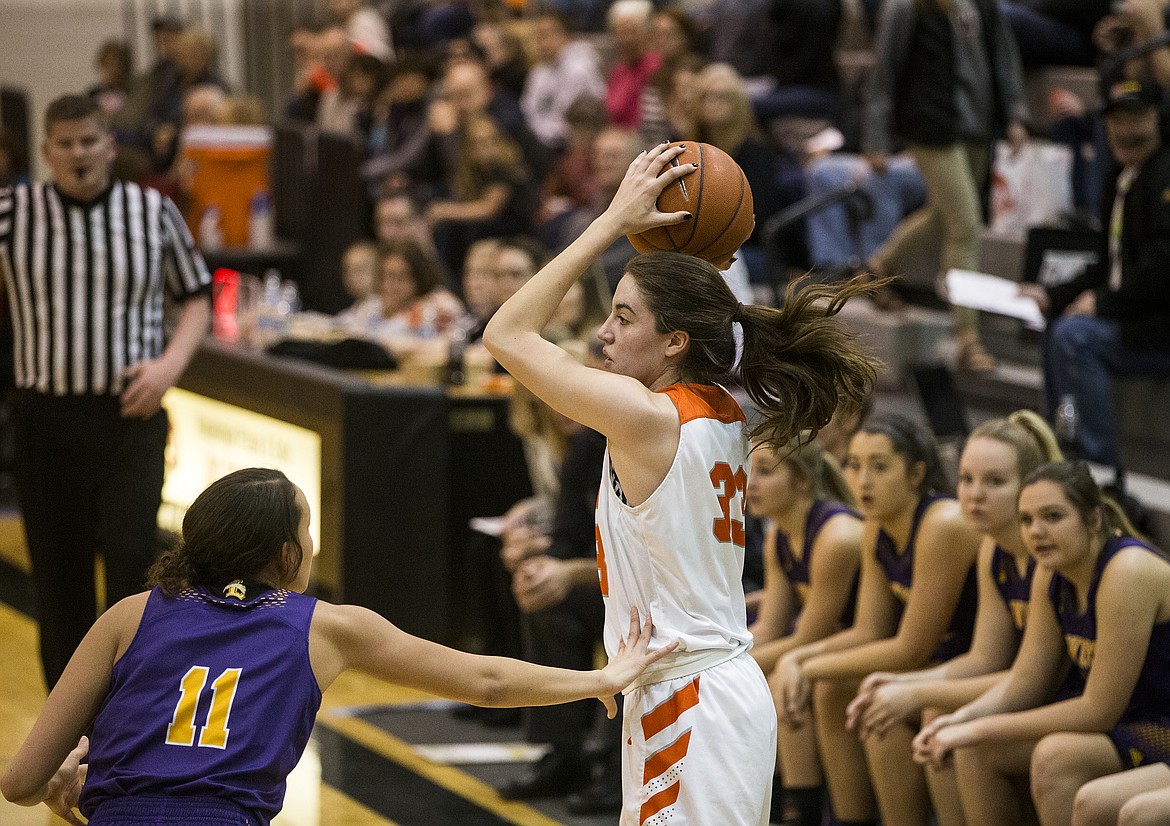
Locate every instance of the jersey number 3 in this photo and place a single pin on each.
(728, 484)
(214, 734)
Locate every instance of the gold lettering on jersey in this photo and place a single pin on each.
(1019, 609)
(181, 731)
(214, 732)
(236, 589)
(900, 591)
(1080, 650)
(802, 589)
(1136, 757)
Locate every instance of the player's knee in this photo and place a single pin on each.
(1074, 335)
(833, 694)
(1052, 766)
(1144, 810)
(1091, 804)
(970, 760)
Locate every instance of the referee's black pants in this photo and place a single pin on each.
(88, 481)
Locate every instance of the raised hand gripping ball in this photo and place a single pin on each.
(719, 197)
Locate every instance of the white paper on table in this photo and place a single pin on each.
(993, 294)
(473, 753)
(490, 525)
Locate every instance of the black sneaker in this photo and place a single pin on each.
(554, 775)
(602, 796)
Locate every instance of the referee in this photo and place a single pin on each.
(87, 262)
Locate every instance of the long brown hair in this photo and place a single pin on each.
(1085, 496)
(471, 175)
(234, 529)
(799, 361)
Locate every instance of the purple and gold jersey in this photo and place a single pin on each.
(899, 569)
(798, 570)
(222, 699)
(1143, 733)
(1013, 588)
(1016, 592)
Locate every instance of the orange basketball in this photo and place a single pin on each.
(717, 194)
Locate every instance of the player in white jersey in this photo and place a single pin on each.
(699, 730)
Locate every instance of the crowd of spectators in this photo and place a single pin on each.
(420, 86)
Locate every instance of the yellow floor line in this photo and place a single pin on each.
(452, 779)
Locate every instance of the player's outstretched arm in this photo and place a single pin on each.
(348, 636)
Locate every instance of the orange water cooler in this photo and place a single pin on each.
(227, 166)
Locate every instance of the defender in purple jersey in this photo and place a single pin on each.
(812, 554)
(1100, 606)
(202, 692)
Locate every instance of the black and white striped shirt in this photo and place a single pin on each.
(85, 282)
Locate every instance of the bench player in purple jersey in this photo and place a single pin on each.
(1100, 605)
(812, 554)
(202, 692)
(996, 459)
(915, 536)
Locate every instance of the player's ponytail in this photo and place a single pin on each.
(1025, 433)
(172, 570)
(800, 362)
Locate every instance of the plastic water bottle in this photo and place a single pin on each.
(270, 322)
(290, 300)
(260, 232)
(211, 229)
(429, 325)
(456, 368)
(1067, 426)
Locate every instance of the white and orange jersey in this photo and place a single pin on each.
(679, 554)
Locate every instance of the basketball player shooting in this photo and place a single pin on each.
(699, 726)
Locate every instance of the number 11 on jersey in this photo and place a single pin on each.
(214, 733)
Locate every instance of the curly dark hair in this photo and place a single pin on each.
(235, 529)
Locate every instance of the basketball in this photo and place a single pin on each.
(717, 194)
